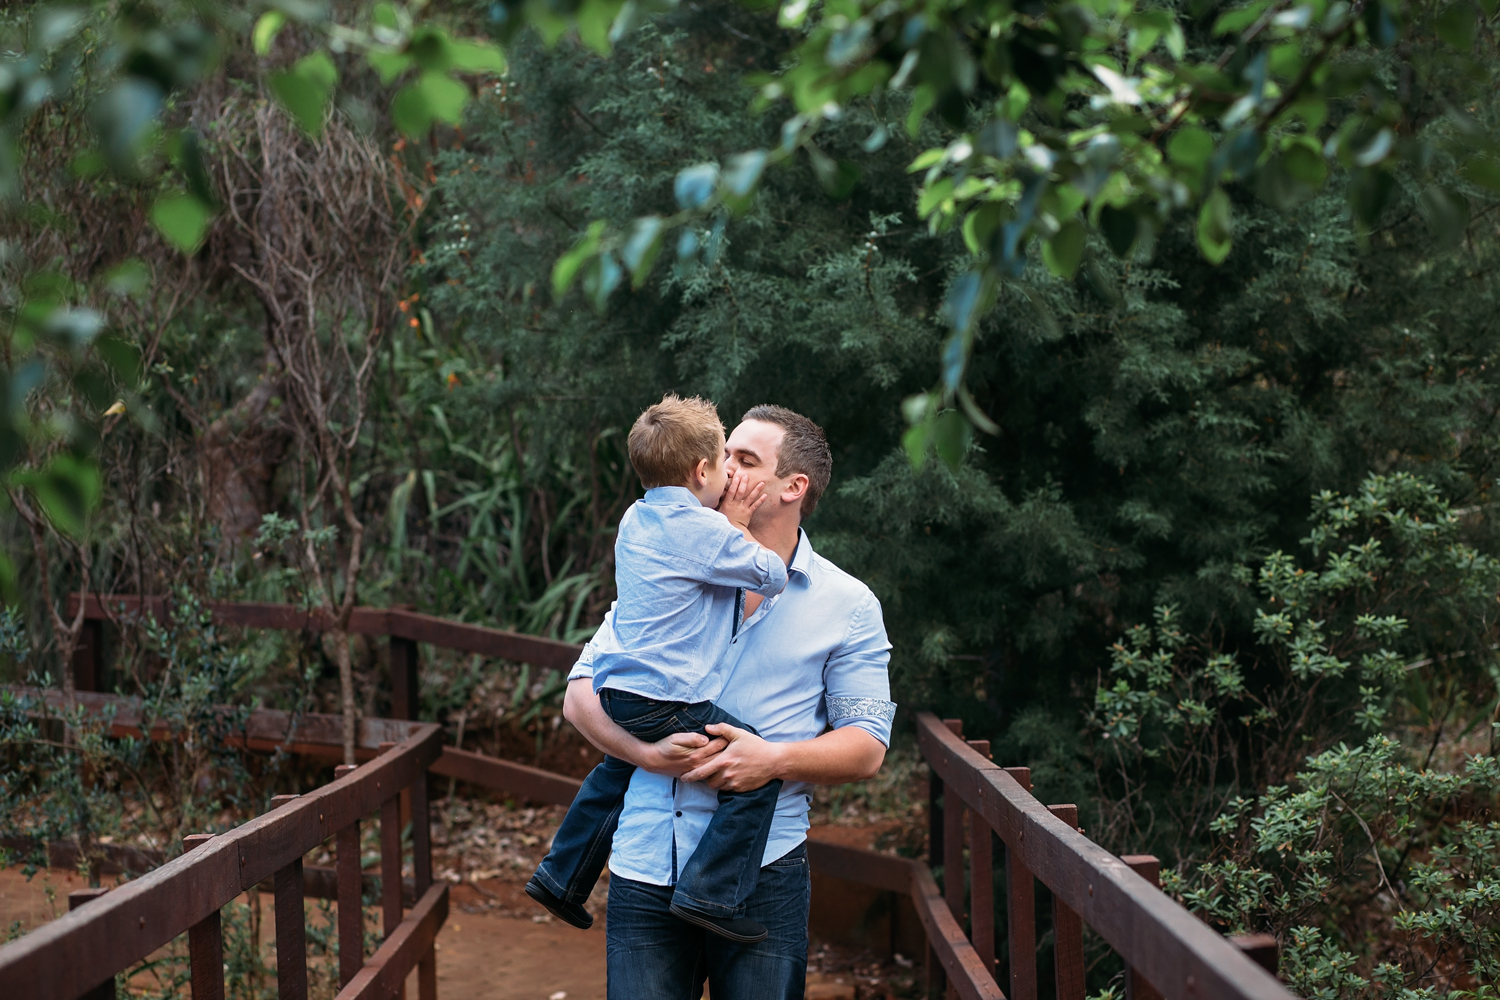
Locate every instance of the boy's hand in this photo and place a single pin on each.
(741, 500)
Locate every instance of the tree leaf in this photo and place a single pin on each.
(600, 279)
(914, 441)
(1446, 213)
(695, 185)
(1457, 25)
(476, 57)
(182, 219)
(67, 488)
(1064, 252)
(388, 63)
(1120, 228)
(445, 96)
(1483, 172)
(1190, 146)
(121, 356)
(305, 90)
(410, 111)
(744, 172)
(566, 268)
(950, 437)
(640, 251)
(1215, 227)
(266, 27)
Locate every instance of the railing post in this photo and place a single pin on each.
(106, 989)
(982, 879)
(1067, 930)
(390, 862)
(1148, 868)
(291, 926)
(421, 862)
(940, 852)
(1020, 912)
(88, 656)
(205, 942)
(1261, 949)
(405, 678)
(351, 895)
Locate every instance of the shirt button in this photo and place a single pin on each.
(679, 812)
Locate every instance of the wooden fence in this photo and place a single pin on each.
(1168, 952)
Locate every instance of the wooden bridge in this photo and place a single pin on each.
(973, 803)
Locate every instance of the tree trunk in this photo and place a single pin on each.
(346, 688)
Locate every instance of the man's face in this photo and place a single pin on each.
(751, 449)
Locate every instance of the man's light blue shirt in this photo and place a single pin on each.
(812, 656)
(678, 569)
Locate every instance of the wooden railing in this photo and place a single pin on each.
(1168, 952)
(79, 954)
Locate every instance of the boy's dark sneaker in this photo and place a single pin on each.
(741, 929)
(561, 909)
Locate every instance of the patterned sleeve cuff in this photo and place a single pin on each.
(840, 708)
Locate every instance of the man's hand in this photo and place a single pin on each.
(680, 753)
(747, 763)
(742, 499)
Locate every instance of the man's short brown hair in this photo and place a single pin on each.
(669, 438)
(803, 450)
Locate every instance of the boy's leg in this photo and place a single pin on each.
(722, 872)
(581, 846)
(776, 968)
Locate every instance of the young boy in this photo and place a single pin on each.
(680, 567)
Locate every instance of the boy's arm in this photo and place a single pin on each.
(735, 558)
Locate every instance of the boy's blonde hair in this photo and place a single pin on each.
(669, 438)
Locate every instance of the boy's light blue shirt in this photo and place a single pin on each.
(814, 655)
(678, 569)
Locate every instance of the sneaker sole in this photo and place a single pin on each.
(707, 923)
(546, 903)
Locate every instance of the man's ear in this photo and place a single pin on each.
(795, 489)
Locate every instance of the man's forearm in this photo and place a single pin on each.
(843, 755)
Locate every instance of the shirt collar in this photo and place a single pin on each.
(802, 559)
(670, 496)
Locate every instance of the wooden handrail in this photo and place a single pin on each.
(398, 622)
(1181, 956)
(76, 952)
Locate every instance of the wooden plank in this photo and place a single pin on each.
(406, 696)
(1137, 987)
(953, 841)
(1262, 949)
(961, 963)
(291, 922)
(88, 657)
(62, 959)
(386, 971)
(982, 879)
(530, 783)
(493, 642)
(410, 625)
(853, 864)
(351, 917)
(77, 898)
(205, 943)
(1178, 953)
(1020, 911)
(390, 863)
(1067, 930)
(421, 835)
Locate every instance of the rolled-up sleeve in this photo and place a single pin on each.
(739, 562)
(856, 678)
(584, 665)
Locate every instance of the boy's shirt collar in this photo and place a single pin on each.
(671, 496)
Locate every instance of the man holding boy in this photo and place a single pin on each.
(809, 657)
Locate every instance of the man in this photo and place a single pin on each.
(812, 656)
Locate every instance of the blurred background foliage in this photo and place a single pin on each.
(1181, 447)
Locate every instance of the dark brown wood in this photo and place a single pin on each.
(351, 918)
(390, 864)
(523, 782)
(205, 943)
(410, 625)
(1178, 953)
(1020, 911)
(62, 959)
(883, 871)
(421, 835)
(1137, 987)
(1262, 949)
(982, 879)
(405, 678)
(291, 934)
(964, 970)
(384, 975)
(77, 898)
(1067, 930)
(88, 657)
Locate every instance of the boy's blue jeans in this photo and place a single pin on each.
(722, 872)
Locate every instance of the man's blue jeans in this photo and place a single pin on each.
(652, 955)
(722, 872)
